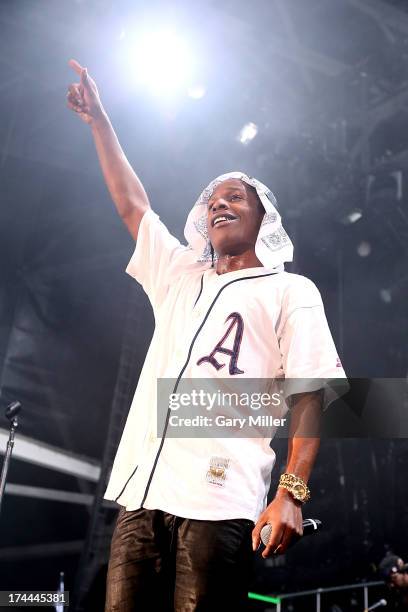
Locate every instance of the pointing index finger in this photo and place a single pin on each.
(76, 66)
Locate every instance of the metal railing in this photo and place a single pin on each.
(278, 600)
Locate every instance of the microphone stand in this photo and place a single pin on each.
(11, 413)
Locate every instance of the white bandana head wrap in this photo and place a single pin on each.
(273, 246)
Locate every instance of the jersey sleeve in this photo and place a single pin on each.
(309, 356)
(158, 258)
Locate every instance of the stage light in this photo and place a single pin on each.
(248, 133)
(197, 92)
(162, 62)
(386, 296)
(352, 216)
(265, 598)
(364, 249)
(397, 291)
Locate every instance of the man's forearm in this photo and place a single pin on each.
(304, 439)
(284, 513)
(301, 456)
(124, 186)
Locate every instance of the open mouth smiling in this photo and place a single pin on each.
(223, 219)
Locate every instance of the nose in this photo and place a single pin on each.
(220, 203)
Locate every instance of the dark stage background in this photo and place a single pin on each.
(327, 85)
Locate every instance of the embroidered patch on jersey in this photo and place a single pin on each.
(217, 472)
(236, 321)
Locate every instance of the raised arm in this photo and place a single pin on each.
(124, 186)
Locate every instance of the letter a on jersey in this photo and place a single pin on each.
(238, 324)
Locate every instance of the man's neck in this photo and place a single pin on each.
(231, 263)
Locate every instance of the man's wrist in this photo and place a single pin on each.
(282, 493)
(100, 121)
(296, 486)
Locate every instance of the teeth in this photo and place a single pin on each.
(219, 219)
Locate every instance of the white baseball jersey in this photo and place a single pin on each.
(251, 323)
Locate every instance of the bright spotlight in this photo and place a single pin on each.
(248, 133)
(162, 61)
(197, 92)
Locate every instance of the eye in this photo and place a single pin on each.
(236, 195)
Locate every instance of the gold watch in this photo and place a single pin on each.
(296, 486)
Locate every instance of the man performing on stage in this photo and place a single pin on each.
(192, 509)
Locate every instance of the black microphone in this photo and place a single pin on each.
(309, 526)
(12, 410)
